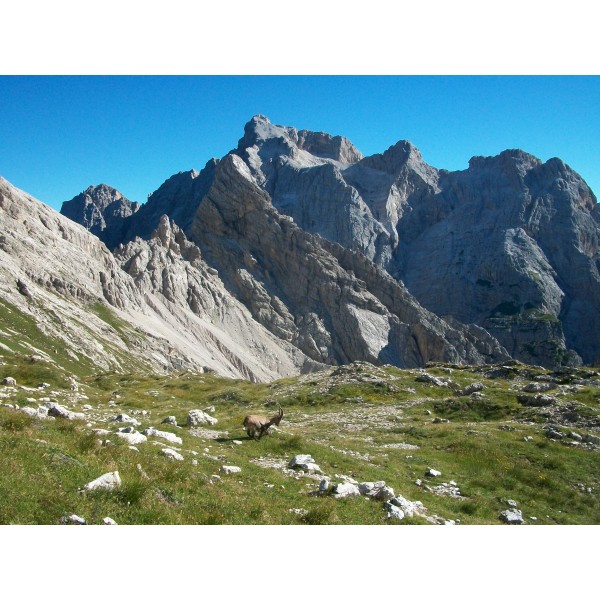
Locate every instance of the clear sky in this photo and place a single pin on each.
(60, 134)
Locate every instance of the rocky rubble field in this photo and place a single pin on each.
(358, 444)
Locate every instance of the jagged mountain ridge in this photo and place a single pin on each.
(477, 247)
(169, 310)
(511, 244)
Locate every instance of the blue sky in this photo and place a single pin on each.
(60, 134)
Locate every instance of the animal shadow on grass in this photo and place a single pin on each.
(223, 439)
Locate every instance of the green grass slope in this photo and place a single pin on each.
(359, 422)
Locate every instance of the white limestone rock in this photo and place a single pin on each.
(171, 454)
(39, 413)
(470, 389)
(125, 418)
(304, 462)
(394, 512)
(108, 481)
(166, 435)
(407, 507)
(437, 381)
(56, 410)
(345, 490)
(512, 516)
(199, 417)
(377, 490)
(134, 437)
(229, 469)
(73, 520)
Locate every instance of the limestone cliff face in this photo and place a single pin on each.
(174, 310)
(101, 209)
(333, 304)
(386, 258)
(510, 244)
(178, 197)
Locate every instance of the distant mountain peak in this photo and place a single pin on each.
(259, 131)
(100, 208)
(509, 246)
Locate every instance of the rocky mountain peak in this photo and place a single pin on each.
(508, 247)
(259, 131)
(97, 200)
(100, 209)
(401, 156)
(514, 160)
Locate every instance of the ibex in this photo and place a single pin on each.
(257, 425)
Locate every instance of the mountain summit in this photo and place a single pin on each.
(294, 251)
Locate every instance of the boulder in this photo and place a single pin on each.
(72, 519)
(377, 490)
(199, 417)
(56, 410)
(512, 516)
(9, 381)
(406, 507)
(108, 481)
(133, 437)
(394, 512)
(304, 462)
(591, 439)
(229, 469)
(470, 389)
(537, 400)
(324, 485)
(124, 418)
(537, 387)
(438, 381)
(345, 490)
(171, 454)
(166, 435)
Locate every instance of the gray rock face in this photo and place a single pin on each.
(101, 209)
(295, 251)
(333, 304)
(172, 309)
(511, 244)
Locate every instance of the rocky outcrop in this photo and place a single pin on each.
(153, 305)
(178, 198)
(510, 245)
(499, 259)
(102, 210)
(332, 303)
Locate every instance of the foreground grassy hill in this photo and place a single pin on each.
(493, 444)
